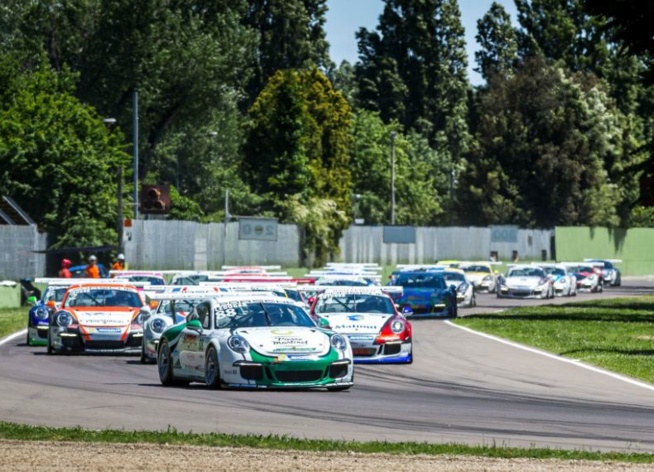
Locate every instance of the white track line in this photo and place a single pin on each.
(13, 336)
(558, 358)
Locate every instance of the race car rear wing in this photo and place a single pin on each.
(612, 261)
(73, 281)
(201, 295)
(372, 290)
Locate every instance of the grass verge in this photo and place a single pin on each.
(615, 334)
(174, 437)
(12, 320)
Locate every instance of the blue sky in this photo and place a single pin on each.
(345, 17)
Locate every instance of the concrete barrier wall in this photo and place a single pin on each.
(635, 246)
(18, 258)
(153, 244)
(366, 244)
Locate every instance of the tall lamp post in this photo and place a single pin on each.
(393, 135)
(136, 153)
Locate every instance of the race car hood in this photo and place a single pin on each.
(582, 275)
(364, 323)
(104, 317)
(476, 277)
(418, 295)
(292, 339)
(524, 282)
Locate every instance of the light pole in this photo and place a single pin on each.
(393, 134)
(135, 122)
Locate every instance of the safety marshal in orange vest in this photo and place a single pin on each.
(120, 263)
(92, 269)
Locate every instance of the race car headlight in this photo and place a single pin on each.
(397, 326)
(158, 325)
(41, 313)
(338, 342)
(463, 288)
(64, 319)
(488, 278)
(238, 344)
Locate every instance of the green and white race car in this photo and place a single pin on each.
(254, 341)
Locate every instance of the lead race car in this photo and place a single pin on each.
(611, 275)
(254, 341)
(100, 317)
(368, 318)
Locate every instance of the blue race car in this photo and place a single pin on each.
(425, 294)
(37, 318)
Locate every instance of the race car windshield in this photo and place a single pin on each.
(454, 276)
(54, 294)
(476, 268)
(527, 272)
(554, 271)
(102, 297)
(342, 282)
(354, 303)
(421, 280)
(260, 314)
(153, 280)
(182, 307)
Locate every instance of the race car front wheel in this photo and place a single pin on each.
(165, 365)
(212, 369)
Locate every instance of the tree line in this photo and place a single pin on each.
(242, 95)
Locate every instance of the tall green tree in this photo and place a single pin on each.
(290, 34)
(422, 176)
(59, 160)
(183, 57)
(413, 70)
(543, 141)
(297, 151)
(498, 41)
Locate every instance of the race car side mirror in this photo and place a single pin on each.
(31, 300)
(50, 304)
(195, 325)
(324, 323)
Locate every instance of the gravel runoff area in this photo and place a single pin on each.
(70, 456)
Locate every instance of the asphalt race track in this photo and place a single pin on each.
(462, 388)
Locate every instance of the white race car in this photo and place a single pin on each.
(481, 275)
(525, 281)
(563, 280)
(254, 341)
(368, 318)
(465, 292)
(611, 275)
(588, 275)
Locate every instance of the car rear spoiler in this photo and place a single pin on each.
(372, 290)
(73, 281)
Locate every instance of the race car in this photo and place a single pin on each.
(481, 275)
(564, 281)
(368, 318)
(254, 341)
(611, 275)
(588, 275)
(525, 281)
(39, 313)
(424, 294)
(99, 317)
(152, 278)
(465, 292)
